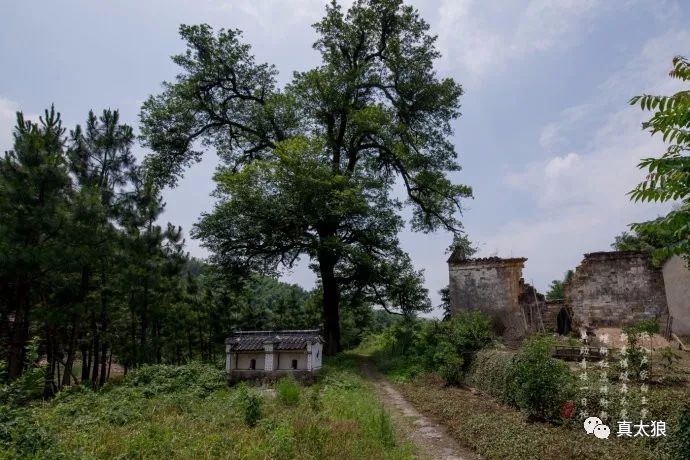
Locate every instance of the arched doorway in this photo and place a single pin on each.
(563, 323)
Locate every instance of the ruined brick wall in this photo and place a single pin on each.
(491, 285)
(616, 289)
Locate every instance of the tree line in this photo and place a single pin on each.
(88, 272)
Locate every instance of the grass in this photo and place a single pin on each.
(497, 432)
(188, 412)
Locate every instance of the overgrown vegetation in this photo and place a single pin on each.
(538, 383)
(413, 346)
(187, 411)
(497, 431)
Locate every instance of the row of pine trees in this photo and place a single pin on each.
(84, 265)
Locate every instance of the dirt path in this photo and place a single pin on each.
(430, 437)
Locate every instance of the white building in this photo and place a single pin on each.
(269, 355)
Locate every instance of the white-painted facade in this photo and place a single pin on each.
(282, 351)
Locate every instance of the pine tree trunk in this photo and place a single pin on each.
(104, 364)
(95, 358)
(49, 382)
(84, 363)
(19, 335)
(110, 362)
(69, 362)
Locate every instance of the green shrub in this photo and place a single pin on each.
(195, 378)
(539, 384)
(451, 367)
(252, 409)
(30, 384)
(20, 437)
(490, 372)
(412, 346)
(27, 387)
(288, 390)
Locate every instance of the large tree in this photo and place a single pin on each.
(310, 169)
(668, 177)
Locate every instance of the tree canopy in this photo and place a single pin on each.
(310, 169)
(668, 176)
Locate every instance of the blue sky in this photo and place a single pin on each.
(546, 138)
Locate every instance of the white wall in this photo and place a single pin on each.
(677, 283)
(316, 355)
(283, 359)
(244, 359)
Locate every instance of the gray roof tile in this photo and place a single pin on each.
(282, 340)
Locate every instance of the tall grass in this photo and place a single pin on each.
(188, 412)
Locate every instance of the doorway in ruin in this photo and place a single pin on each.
(563, 322)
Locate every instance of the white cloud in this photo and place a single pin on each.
(478, 37)
(581, 194)
(482, 36)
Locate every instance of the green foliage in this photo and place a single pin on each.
(648, 238)
(20, 437)
(315, 402)
(194, 378)
(540, 384)
(410, 347)
(252, 409)
(121, 422)
(28, 386)
(645, 326)
(309, 168)
(384, 427)
(667, 177)
(490, 372)
(288, 391)
(679, 436)
(557, 287)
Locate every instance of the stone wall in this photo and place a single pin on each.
(491, 285)
(677, 284)
(616, 289)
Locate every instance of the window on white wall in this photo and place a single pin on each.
(294, 364)
(252, 364)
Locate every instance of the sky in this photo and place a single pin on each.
(546, 138)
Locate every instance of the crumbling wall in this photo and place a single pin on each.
(491, 285)
(616, 289)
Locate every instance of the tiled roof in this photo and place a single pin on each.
(282, 340)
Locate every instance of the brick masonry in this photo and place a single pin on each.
(616, 289)
(492, 285)
(608, 289)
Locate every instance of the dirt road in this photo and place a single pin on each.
(431, 438)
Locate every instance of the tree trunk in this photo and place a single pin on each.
(95, 356)
(49, 382)
(19, 333)
(16, 354)
(70, 355)
(84, 363)
(331, 303)
(104, 364)
(110, 362)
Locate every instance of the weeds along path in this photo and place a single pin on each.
(430, 438)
